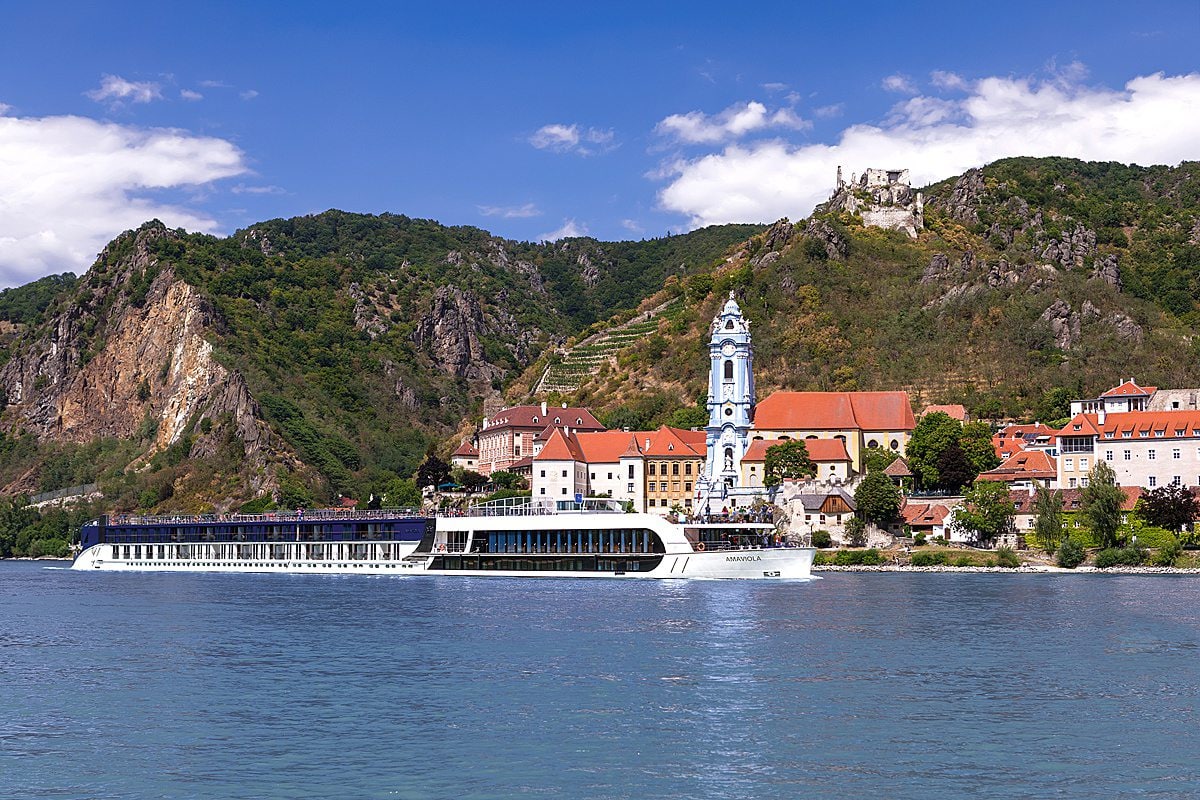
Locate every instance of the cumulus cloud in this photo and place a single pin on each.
(248, 94)
(899, 83)
(739, 119)
(511, 212)
(188, 94)
(69, 184)
(1149, 121)
(947, 80)
(114, 88)
(570, 229)
(560, 138)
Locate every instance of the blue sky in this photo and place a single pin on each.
(534, 120)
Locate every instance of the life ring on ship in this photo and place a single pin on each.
(441, 548)
(699, 547)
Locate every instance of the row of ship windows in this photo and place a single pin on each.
(278, 552)
(470, 562)
(283, 564)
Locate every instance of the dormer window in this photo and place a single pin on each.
(1159, 433)
(557, 420)
(535, 420)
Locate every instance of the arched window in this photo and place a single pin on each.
(728, 370)
(728, 324)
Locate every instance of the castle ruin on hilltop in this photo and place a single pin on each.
(883, 197)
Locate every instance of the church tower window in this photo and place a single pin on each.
(728, 370)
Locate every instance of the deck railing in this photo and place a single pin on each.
(299, 516)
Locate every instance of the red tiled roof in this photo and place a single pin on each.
(819, 450)
(1172, 424)
(871, 411)
(924, 513)
(561, 447)
(465, 449)
(898, 469)
(667, 441)
(956, 411)
(1017, 437)
(1130, 389)
(1023, 465)
(606, 447)
(532, 417)
(1024, 502)
(524, 463)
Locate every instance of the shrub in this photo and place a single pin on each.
(856, 532)
(1070, 554)
(1120, 556)
(822, 559)
(929, 559)
(1007, 557)
(1168, 554)
(919, 539)
(856, 558)
(822, 539)
(964, 561)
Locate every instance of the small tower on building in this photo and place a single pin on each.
(730, 405)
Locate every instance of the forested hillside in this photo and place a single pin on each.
(1030, 275)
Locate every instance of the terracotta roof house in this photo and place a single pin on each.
(955, 411)
(1024, 469)
(1014, 438)
(931, 519)
(508, 435)
(466, 456)
(1143, 448)
(829, 456)
(859, 419)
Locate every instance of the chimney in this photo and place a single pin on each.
(543, 408)
(564, 405)
(647, 444)
(1100, 416)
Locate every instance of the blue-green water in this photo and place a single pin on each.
(877, 685)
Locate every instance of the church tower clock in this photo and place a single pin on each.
(730, 402)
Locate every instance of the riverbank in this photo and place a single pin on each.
(1024, 568)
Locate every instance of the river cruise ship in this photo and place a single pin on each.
(512, 537)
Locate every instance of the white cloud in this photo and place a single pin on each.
(560, 138)
(242, 188)
(511, 212)
(633, 226)
(899, 83)
(570, 229)
(830, 111)
(188, 94)
(69, 184)
(249, 94)
(209, 84)
(115, 88)
(947, 80)
(774, 87)
(1150, 121)
(696, 127)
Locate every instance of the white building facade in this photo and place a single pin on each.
(1144, 448)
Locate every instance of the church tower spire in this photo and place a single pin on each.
(730, 401)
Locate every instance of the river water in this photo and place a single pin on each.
(856, 686)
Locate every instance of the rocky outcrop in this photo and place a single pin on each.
(775, 241)
(450, 332)
(124, 357)
(1125, 327)
(587, 270)
(1065, 324)
(1074, 248)
(835, 245)
(365, 317)
(963, 204)
(1106, 269)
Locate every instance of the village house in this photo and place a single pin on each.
(1143, 448)
(1025, 469)
(507, 436)
(466, 457)
(828, 455)
(1015, 438)
(858, 419)
(655, 471)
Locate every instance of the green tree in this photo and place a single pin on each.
(1171, 507)
(877, 459)
(1100, 504)
(856, 532)
(933, 434)
(976, 443)
(1048, 524)
(433, 471)
(954, 470)
(877, 498)
(402, 493)
(787, 460)
(1054, 405)
(507, 480)
(986, 514)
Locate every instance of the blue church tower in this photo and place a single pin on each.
(730, 405)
